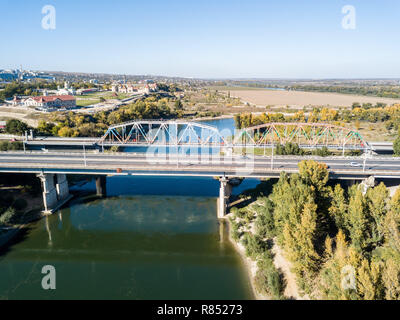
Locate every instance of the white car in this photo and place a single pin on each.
(355, 164)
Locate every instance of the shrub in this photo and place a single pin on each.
(289, 149)
(7, 146)
(268, 279)
(323, 152)
(6, 217)
(254, 245)
(270, 282)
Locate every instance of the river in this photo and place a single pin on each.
(151, 238)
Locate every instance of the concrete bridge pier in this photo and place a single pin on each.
(101, 186)
(225, 192)
(55, 191)
(62, 187)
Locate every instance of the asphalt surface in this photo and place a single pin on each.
(150, 162)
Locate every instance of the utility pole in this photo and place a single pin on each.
(343, 148)
(272, 158)
(365, 161)
(84, 154)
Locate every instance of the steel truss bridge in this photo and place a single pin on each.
(163, 133)
(183, 133)
(306, 135)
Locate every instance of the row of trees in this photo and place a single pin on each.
(75, 125)
(388, 114)
(327, 231)
(376, 91)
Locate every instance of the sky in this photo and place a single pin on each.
(204, 38)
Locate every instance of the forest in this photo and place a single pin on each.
(328, 232)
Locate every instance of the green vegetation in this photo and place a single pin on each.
(27, 89)
(16, 127)
(378, 113)
(14, 190)
(384, 91)
(325, 229)
(269, 280)
(78, 125)
(10, 146)
(374, 91)
(289, 149)
(396, 146)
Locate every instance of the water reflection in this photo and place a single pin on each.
(143, 242)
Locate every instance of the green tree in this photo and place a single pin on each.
(396, 146)
(17, 127)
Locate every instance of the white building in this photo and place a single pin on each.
(47, 103)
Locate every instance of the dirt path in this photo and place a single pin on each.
(284, 265)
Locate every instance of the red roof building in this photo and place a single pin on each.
(48, 103)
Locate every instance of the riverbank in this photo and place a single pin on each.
(8, 233)
(249, 264)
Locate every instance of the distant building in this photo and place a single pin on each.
(3, 125)
(86, 91)
(67, 90)
(47, 103)
(134, 88)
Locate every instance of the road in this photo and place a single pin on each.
(188, 165)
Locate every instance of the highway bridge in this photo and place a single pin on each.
(52, 167)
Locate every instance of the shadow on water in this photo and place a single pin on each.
(20, 236)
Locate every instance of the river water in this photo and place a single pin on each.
(151, 238)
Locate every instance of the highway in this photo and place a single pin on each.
(205, 165)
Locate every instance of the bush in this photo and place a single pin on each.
(8, 146)
(268, 279)
(265, 224)
(254, 245)
(6, 217)
(396, 146)
(289, 149)
(114, 149)
(323, 152)
(18, 127)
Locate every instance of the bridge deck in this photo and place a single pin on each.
(140, 164)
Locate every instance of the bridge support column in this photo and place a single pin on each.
(101, 186)
(49, 192)
(225, 192)
(55, 191)
(62, 187)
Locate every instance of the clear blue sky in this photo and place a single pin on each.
(205, 38)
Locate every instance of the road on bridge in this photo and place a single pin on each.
(210, 165)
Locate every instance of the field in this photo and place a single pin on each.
(299, 99)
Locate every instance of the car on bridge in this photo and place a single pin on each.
(355, 164)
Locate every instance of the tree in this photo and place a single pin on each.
(391, 279)
(314, 173)
(17, 127)
(178, 105)
(339, 206)
(67, 132)
(357, 219)
(369, 281)
(377, 201)
(396, 146)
